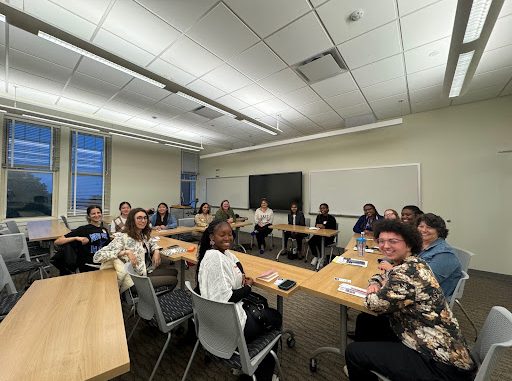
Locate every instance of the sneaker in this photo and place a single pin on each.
(320, 263)
(314, 261)
(345, 370)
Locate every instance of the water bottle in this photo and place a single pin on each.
(361, 245)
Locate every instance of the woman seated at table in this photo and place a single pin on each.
(225, 213)
(391, 214)
(366, 221)
(410, 213)
(203, 218)
(295, 217)
(439, 255)
(163, 219)
(134, 245)
(420, 338)
(323, 221)
(89, 238)
(263, 218)
(220, 277)
(118, 223)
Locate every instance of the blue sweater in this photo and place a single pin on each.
(444, 264)
(171, 220)
(363, 224)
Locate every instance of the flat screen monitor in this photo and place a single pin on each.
(280, 189)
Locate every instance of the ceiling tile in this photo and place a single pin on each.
(93, 85)
(271, 106)
(352, 111)
(428, 94)
(257, 62)
(300, 97)
(171, 72)
(300, 40)
(166, 111)
(65, 20)
(103, 72)
(189, 56)
(426, 78)
(427, 56)
(180, 14)
(495, 59)
(38, 66)
(342, 83)
(222, 33)
(346, 100)
(91, 10)
(282, 82)
(136, 24)
(142, 123)
(112, 116)
(501, 34)
(408, 6)
(507, 90)
(359, 120)
(116, 45)
(378, 44)
(336, 17)
(123, 108)
(385, 89)
(33, 45)
(148, 90)
(392, 107)
(267, 16)
(478, 95)
(84, 96)
(226, 78)
(76, 106)
(178, 101)
(205, 89)
(326, 118)
(252, 112)
(18, 77)
(252, 94)
(491, 78)
(189, 119)
(380, 71)
(506, 9)
(317, 3)
(432, 104)
(140, 101)
(36, 96)
(428, 24)
(315, 108)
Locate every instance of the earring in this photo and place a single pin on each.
(212, 243)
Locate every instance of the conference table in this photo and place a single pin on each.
(308, 231)
(323, 285)
(66, 328)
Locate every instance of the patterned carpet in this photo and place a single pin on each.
(315, 323)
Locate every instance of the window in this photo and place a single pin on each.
(189, 170)
(30, 163)
(89, 172)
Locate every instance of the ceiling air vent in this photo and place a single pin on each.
(207, 112)
(325, 65)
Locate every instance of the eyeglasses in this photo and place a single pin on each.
(392, 241)
(141, 218)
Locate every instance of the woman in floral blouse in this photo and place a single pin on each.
(419, 339)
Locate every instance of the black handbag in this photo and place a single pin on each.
(256, 305)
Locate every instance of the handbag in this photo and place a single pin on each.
(255, 305)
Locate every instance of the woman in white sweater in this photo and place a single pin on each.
(220, 277)
(263, 219)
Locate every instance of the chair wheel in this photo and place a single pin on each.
(312, 365)
(290, 342)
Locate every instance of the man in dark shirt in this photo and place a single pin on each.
(323, 221)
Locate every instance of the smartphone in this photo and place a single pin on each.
(287, 284)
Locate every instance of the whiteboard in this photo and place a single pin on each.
(234, 189)
(347, 190)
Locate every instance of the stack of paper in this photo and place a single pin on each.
(353, 290)
(268, 276)
(350, 261)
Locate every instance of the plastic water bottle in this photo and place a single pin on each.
(361, 245)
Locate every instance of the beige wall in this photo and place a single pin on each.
(463, 177)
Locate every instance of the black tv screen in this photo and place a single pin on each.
(280, 189)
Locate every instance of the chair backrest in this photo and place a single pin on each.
(65, 220)
(148, 306)
(459, 289)
(5, 278)
(218, 327)
(13, 247)
(190, 222)
(495, 336)
(308, 221)
(12, 226)
(464, 257)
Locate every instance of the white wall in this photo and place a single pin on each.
(464, 179)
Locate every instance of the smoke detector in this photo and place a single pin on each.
(357, 15)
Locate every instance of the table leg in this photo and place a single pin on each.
(237, 242)
(290, 341)
(322, 254)
(182, 274)
(283, 243)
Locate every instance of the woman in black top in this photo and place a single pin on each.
(295, 217)
(89, 238)
(323, 221)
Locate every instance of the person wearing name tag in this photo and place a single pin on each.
(366, 221)
(162, 219)
(118, 223)
(323, 221)
(296, 218)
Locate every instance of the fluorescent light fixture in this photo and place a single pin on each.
(59, 122)
(259, 127)
(133, 137)
(174, 145)
(183, 144)
(460, 73)
(2, 17)
(476, 21)
(3, 111)
(202, 103)
(93, 56)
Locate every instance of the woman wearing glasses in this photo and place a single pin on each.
(419, 338)
(134, 245)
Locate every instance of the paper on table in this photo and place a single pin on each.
(268, 275)
(350, 261)
(313, 228)
(353, 290)
(366, 250)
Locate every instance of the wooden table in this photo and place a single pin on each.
(175, 231)
(323, 285)
(66, 328)
(45, 230)
(305, 230)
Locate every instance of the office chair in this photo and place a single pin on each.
(8, 301)
(65, 220)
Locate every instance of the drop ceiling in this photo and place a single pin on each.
(242, 54)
